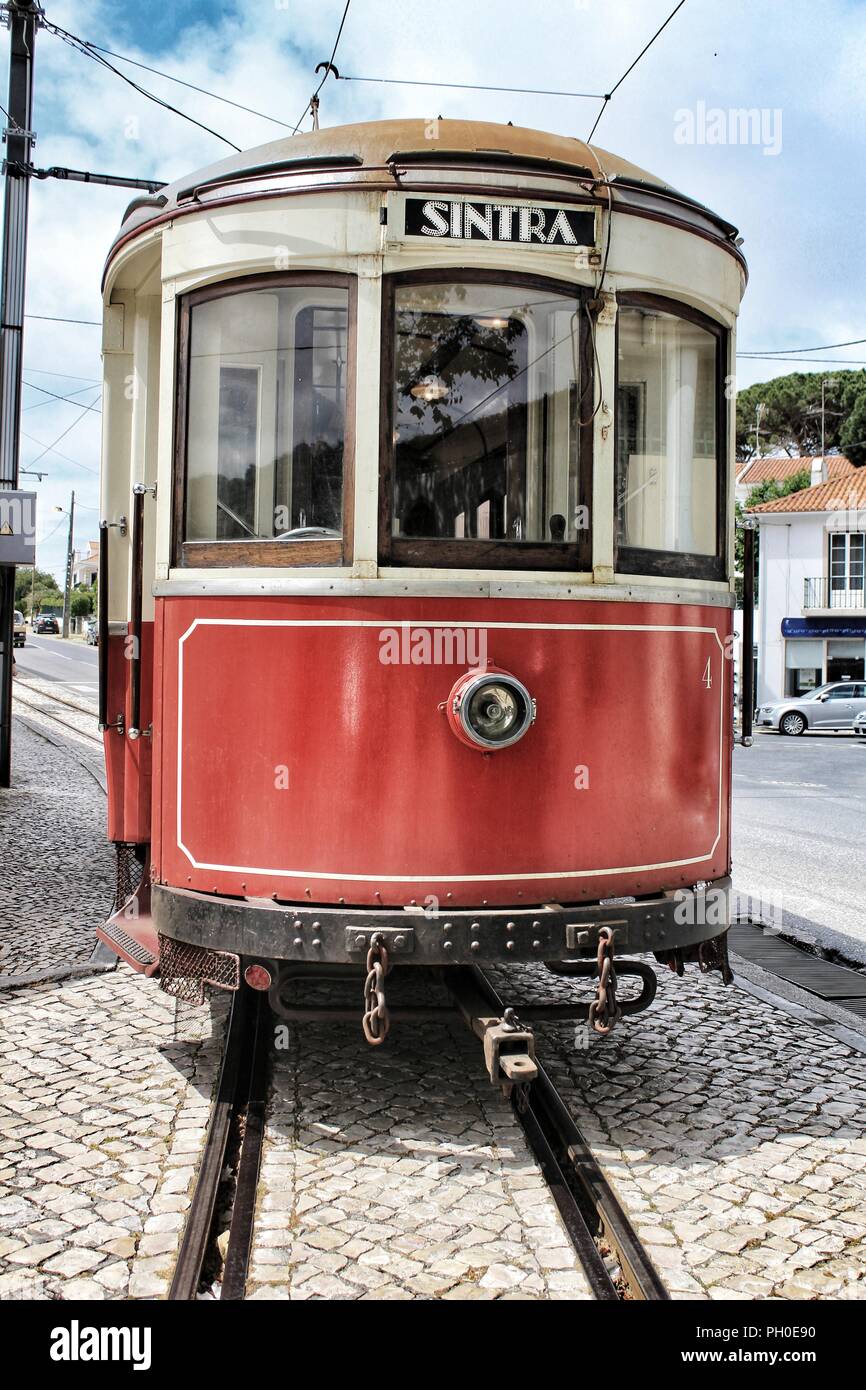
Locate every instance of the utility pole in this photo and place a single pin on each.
(832, 383)
(67, 587)
(759, 415)
(22, 18)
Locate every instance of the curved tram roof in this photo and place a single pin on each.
(396, 154)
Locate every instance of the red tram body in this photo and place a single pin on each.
(416, 558)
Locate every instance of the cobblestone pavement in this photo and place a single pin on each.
(734, 1134)
(401, 1173)
(102, 1117)
(56, 867)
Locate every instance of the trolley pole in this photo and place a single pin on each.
(22, 17)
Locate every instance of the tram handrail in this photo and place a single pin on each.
(138, 494)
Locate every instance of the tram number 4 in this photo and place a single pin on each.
(707, 677)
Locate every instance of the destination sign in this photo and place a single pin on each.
(450, 220)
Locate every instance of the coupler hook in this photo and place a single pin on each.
(604, 1012)
(376, 1021)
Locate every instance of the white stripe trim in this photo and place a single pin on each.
(424, 623)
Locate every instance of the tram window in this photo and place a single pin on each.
(266, 420)
(489, 380)
(667, 442)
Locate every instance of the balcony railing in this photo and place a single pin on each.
(820, 593)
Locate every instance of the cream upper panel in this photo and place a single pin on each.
(332, 230)
(344, 231)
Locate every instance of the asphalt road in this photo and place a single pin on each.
(799, 827)
(72, 663)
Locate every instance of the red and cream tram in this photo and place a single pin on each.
(416, 556)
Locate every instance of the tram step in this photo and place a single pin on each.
(130, 933)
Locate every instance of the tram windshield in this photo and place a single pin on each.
(666, 438)
(487, 397)
(266, 414)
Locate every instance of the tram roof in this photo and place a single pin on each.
(370, 152)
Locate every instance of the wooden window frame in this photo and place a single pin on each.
(675, 564)
(266, 553)
(445, 553)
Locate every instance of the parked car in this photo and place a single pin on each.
(832, 706)
(19, 630)
(46, 622)
(91, 633)
(860, 724)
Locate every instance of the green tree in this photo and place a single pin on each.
(41, 590)
(791, 419)
(81, 602)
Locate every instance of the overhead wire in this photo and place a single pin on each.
(67, 399)
(467, 87)
(82, 46)
(328, 66)
(169, 77)
(50, 318)
(607, 97)
(47, 448)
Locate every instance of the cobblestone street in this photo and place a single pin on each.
(734, 1135)
(730, 1127)
(56, 869)
(102, 1117)
(401, 1173)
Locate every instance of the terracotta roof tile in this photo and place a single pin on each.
(779, 467)
(844, 493)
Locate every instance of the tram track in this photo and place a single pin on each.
(42, 707)
(216, 1248)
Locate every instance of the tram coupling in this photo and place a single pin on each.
(509, 1045)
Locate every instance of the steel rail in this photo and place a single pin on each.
(590, 1190)
(196, 1234)
(55, 718)
(240, 1242)
(49, 695)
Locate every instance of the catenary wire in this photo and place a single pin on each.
(227, 101)
(328, 67)
(467, 87)
(82, 46)
(606, 99)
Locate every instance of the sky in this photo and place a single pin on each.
(796, 190)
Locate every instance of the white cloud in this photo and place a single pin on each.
(798, 211)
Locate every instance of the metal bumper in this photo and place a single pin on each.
(279, 931)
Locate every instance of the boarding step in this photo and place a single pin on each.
(130, 933)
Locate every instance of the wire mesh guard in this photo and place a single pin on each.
(128, 869)
(184, 970)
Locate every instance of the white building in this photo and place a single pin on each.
(85, 565)
(811, 599)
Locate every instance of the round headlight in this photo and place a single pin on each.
(490, 709)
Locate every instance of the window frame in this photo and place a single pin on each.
(676, 564)
(265, 553)
(459, 553)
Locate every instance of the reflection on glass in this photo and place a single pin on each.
(666, 433)
(486, 393)
(266, 415)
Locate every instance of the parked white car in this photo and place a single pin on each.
(832, 706)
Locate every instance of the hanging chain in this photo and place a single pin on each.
(604, 1010)
(376, 1021)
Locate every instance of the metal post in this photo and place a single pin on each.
(67, 587)
(747, 674)
(23, 17)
